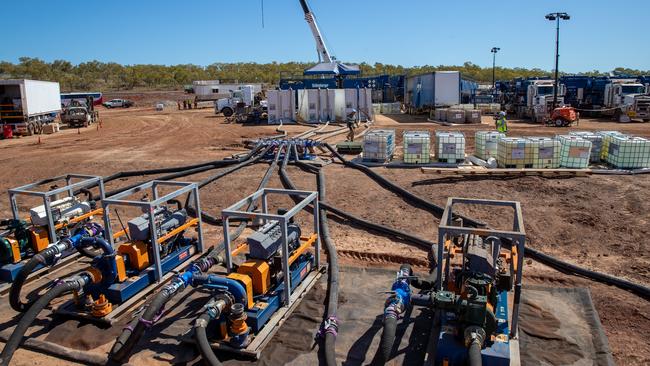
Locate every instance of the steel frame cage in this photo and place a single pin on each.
(234, 211)
(149, 207)
(87, 181)
(517, 235)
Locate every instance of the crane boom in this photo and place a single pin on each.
(323, 53)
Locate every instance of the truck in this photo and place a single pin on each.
(213, 90)
(623, 98)
(79, 114)
(432, 90)
(27, 105)
(626, 99)
(118, 103)
(533, 98)
(227, 106)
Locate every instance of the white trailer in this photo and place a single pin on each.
(433, 90)
(27, 105)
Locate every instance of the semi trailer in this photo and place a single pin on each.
(28, 105)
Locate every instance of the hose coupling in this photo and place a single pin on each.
(239, 330)
(474, 334)
(329, 326)
(200, 323)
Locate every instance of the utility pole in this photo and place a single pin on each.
(556, 17)
(494, 63)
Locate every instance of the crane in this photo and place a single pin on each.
(323, 52)
(327, 64)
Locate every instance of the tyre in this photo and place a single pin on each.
(559, 122)
(227, 111)
(30, 129)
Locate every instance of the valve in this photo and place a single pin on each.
(101, 307)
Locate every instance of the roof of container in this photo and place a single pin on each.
(22, 81)
(333, 68)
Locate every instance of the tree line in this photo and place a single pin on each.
(106, 76)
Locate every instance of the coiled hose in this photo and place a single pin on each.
(31, 314)
(132, 333)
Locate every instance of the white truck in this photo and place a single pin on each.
(227, 106)
(626, 100)
(535, 99)
(28, 105)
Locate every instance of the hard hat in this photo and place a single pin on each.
(354, 110)
(502, 114)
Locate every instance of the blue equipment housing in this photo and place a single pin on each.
(495, 353)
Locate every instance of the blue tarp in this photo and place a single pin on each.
(333, 68)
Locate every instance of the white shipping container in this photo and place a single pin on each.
(281, 106)
(447, 87)
(36, 97)
(326, 104)
(339, 105)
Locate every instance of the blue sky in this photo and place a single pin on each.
(410, 32)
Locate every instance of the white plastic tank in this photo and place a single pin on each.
(629, 152)
(379, 145)
(450, 147)
(417, 147)
(473, 116)
(514, 152)
(486, 143)
(545, 152)
(575, 151)
(607, 137)
(596, 143)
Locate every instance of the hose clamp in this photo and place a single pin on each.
(330, 325)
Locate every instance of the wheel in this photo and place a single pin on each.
(30, 129)
(646, 120)
(108, 106)
(227, 111)
(559, 122)
(617, 115)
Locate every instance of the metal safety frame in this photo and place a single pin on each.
(87, 181)
(235, 212)
(149, 207)
(517, 236)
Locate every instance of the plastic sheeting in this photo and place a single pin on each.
(559, 319)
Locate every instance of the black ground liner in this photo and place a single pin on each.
(559, 319)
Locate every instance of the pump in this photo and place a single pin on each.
(66, 209)
(474, 292)
(277, 264)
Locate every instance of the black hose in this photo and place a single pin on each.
(29, 316)
(21, 277)
(202, 340)
(565, 267)
(387, 338)
(474, 354)
(435, 209)
(132, 333)
(333, 275)
(424, 244)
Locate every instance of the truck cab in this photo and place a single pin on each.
(628, 98)
(539, 99)
(227, 106)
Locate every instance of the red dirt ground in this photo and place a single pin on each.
(600, 222)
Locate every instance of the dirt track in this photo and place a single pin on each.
(600, 222)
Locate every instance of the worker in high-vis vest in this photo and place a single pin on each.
(501, 123)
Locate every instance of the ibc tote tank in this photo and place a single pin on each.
(417, 146)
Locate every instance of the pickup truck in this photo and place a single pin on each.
(115, 103)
